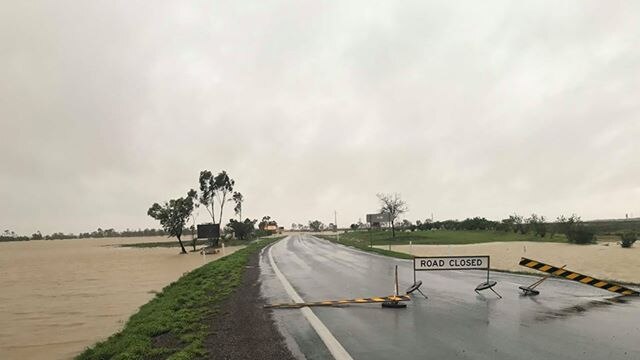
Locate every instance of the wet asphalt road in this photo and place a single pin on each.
(567, 321)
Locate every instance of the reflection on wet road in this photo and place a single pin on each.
(567, 321)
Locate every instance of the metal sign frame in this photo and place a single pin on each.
(453, 257)
(483, 286)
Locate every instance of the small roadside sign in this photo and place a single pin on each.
(431, 263)
(208, 231)
(378, 218)
(451, 263)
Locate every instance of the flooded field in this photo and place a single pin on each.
(58, 297)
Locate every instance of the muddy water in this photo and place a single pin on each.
(604, 260)
(58, 297)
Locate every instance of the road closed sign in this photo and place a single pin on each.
(451, 263)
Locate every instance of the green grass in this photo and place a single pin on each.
(441, 237)
(365, 246)
(171, 326)
(362, 239)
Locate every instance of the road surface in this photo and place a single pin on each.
(567, 321)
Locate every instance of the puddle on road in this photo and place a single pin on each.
(59, 297)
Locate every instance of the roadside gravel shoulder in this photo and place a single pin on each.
(242, 328)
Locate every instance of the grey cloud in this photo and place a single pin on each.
(465, 109)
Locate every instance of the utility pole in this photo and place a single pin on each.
(335, 218)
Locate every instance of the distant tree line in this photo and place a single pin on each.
(97, 234)
(575, 230)
(314, 226)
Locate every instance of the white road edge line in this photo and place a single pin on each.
(334, 346)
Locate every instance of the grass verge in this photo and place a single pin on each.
(364, 239)
(170, 326)
(442, 237)
(364, 246)
(187, 243)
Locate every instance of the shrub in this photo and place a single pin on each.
(627, 239)
(580, 235)
(242, 229)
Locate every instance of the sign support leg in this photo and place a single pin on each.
(414, 270)
(394, 303)
(531, 289)
(488, 268)
(491, 288)
(396, 282)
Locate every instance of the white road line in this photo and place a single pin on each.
(335, 348)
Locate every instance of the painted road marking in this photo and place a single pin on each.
(572, 275)
(335, 348)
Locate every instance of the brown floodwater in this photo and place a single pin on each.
(59, 297)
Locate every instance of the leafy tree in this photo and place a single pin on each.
(223, 185)
(394, 206)
(264, 222)
(215, 188)
(407, 225)
(316, 225)
(507, 224)
(173, 216)
(193, 195)
(580, 234)
(207, 184)
(477, 223)
(242, 229)
(518, 224)
(59, 236)
(427, 224)
(564, 224)
(575, 230)
(12, 236)
(538, 225)
(238, 199)
(37, 236)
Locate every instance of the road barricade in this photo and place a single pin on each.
(574, 276)
(435, 263)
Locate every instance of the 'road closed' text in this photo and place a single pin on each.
(452, 263)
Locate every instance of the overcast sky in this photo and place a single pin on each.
(464, 108)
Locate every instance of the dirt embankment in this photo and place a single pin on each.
(604, 260)
(243, 329)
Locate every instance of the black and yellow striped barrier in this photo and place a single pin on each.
(370, 300)
(572, 275)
